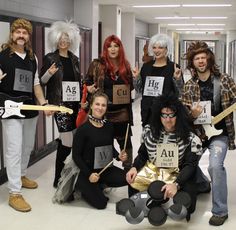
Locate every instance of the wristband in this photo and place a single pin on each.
(44, 104)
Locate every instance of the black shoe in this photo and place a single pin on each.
(218, 220)
(188, 216)
(204, 187)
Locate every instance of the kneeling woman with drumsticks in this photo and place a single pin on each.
(93, 151)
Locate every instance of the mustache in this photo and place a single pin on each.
(20, 38)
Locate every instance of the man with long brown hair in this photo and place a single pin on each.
(209, 85)
(19, 65)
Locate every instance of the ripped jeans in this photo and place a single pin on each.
(218, 149)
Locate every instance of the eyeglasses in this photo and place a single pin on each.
(170, 115)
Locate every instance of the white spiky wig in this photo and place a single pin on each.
(60, 27)
(162, 40)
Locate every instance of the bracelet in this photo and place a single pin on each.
(44, 104)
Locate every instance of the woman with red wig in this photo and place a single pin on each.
(112, 74)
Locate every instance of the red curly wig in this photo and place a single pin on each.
(124, 66)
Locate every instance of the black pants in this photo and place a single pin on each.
(93, 192)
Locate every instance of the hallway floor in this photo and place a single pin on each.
(79, 215)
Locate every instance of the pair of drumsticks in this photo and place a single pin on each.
(126, 137)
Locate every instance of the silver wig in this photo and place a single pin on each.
(162, 40)
(60, 27)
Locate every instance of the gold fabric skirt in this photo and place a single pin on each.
(150, 173)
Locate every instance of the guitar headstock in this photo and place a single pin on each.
(64, 109)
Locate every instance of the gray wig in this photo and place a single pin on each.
(60, 27)
(162, 40)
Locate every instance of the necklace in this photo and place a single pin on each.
(97, 120)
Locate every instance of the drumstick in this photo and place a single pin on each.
(126, 136)
(105, 167)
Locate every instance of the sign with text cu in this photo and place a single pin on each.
(153, 86)
(70, 91)
(167, 155)
(205, 116)
(121, 94)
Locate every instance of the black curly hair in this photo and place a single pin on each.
(183, 122)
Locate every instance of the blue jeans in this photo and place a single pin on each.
(218, 149)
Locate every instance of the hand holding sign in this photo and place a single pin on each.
(196, 109)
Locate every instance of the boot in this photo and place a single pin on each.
(62, 153)
(17, 202)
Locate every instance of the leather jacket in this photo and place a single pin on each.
(54, 84)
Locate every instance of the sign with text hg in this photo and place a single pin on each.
(70, 91)
(167, 155)
(153, 86)
(205, 116)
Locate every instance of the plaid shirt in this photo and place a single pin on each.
(191, 93)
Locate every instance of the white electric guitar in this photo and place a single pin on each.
(210, 130)
(12, 108)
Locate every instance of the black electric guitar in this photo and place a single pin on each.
(11, 106)
(210, 130)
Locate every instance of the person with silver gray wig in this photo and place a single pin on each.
(158, 76)
(61, 74)
(162, 40)
(60, 27)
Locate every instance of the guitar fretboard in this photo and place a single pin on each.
(223, 114)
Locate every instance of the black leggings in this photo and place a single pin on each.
(93, 192)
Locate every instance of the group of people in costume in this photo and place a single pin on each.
(170, 111)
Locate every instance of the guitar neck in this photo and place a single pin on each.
(40, 107)
(223, 114)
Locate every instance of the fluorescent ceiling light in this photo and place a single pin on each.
(181, 24)
(200, 17)
(209, 17)
(203, 29)
(174, 17)
(206, 5)
(210, 24)
(157, 6)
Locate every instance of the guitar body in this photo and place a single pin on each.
(10, 106)
(12, 109)
(211, 131)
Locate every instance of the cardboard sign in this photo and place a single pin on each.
(167, 155)
(121, 94)
(70, 91)
(23, 80)
(153, 86)
(205, 116)
(102, 156)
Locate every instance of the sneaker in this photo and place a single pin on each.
(218, 220)
(27, 183)
(17, 202)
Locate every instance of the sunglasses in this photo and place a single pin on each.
(170, 115)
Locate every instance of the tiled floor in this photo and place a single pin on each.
(79, 215)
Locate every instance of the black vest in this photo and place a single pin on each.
(9, 62)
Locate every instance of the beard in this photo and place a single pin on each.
(201, 69)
